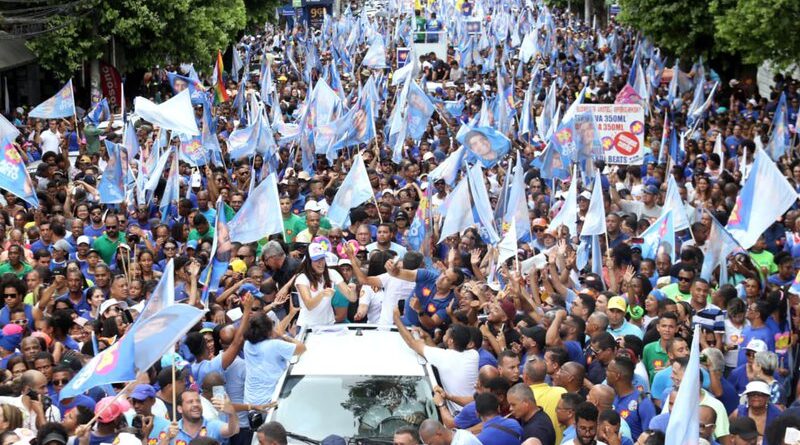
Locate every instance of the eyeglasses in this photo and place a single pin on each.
(242, 257)
(20, 322)
(169, 247)
(685, 279)
(538, 229)
(60, 382)
(6, 296)
(111, 227)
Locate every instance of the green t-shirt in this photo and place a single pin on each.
(195, 235)
(765, 259)
(674, 293)
(108, 248)
(6, 268)
(654, 358)
(292, 226)
(92, 135)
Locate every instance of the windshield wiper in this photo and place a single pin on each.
(302, 438)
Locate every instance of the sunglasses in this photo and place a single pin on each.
(20, 322)
(10, 295)
(684, 279)
(60, 382)
(111, 227)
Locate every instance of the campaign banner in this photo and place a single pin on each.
(402, 56)
(620, 131)
(473, 27)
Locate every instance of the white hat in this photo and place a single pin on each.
(585, 194)
(331, 259)
(111, 302)
(427, 156)
(756, 345)
(312, 206)
(316, 251)
(757, 386)
(83, 239)
(345, 261)
(304, 175)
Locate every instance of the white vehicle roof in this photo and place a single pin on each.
(343, 350)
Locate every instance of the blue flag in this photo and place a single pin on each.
(595, 222)
(448, 170)
(486, 145)
(260, 214)
(169, 200)
(112, 183)
(420, 110)
(552, 163)
(60, 105)
(99, 113)
(13, 175)
(158, 334)
(192, 150)
(720, 244)
(221, 252)
(131, 142)
(355, 190)
(197, 93)
(660, 237)
(456, 211)
(517, 208)
(163, 294)
(114, 365)
(779, 140)
(683, 426)
(752, 215)
(481, 207)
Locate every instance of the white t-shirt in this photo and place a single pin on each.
(464, 437)
(733, 336)
(374, 301)
(394, 290)
(322, 315)
(50, 141)
(458, 371)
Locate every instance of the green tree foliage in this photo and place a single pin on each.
(752, 31)
(150, 32)
(684, 28)
(759, 30)
(260, 12)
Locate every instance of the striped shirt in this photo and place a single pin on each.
(710, 318)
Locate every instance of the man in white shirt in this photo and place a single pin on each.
(394, 289)
(34, 414)
(457, 365)
(50, 139)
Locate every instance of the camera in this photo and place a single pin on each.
(136, 422)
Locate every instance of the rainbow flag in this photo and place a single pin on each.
(220, 95)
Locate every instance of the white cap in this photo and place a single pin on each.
(331, 259)
(111, 302)
(586, 194)
(427, 156)
(757, 386)
(756, 345)
(312, 206)
(83, 239)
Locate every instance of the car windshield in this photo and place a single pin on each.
(349, 406)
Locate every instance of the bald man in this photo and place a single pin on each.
(570, 377)
(547, 397)
(602, 396)
(33, 382)
(468, 417)
(434, 433)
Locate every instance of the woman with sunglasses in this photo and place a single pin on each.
(14, 291)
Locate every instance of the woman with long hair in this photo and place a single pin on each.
(315, 283)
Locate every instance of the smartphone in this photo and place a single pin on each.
(136, 422)
(218, 392)
(637, 240)
(126, 315)
(295, 299)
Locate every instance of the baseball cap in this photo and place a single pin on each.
(428, 156)
(539, 222)
(191, 244)
(744, 427)
(316, 251)
(83, 239)
(585, 195)
(617, 303)
(143, 392)
(111, 302)
(756, 345)
(756, 387)
(56, 437)
(248, 287)
(651, 189)
(312, 206)
(61, 245)
(303, 176)
(238, 266)
(108, 409)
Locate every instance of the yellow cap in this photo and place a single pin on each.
(617, 303)
(238, 266)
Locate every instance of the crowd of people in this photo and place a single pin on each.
(543, 348)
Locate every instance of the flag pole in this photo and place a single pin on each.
(174, 391)
(108, 405)
(75, 114)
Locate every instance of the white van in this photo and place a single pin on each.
(357, 381)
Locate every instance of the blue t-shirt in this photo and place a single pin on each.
(637, 410)
(425, 291)
(738, 379)
(201, 369)
(575, 352)
(265, 362)
(763, 333)
(504, 435)
(468, 417)
(234, 386)
(210, 428)
(662, 381)
(486, 358)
